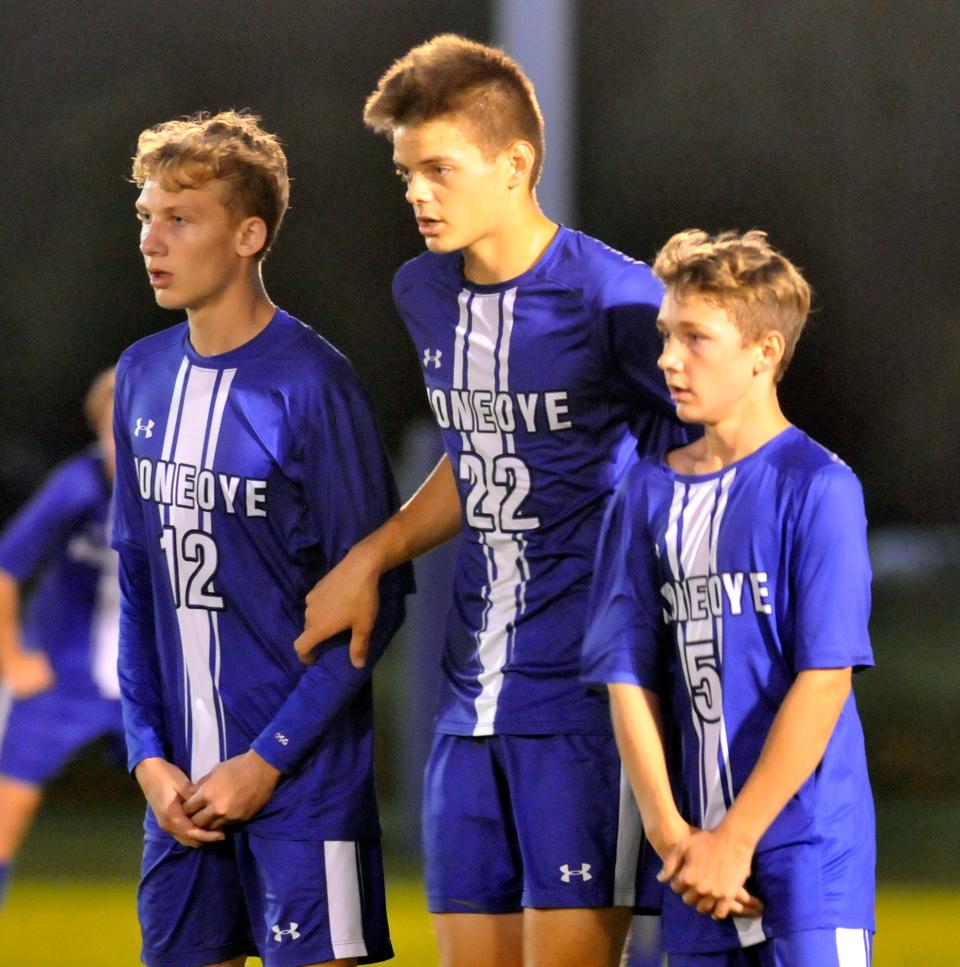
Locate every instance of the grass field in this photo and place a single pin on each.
(93, 924)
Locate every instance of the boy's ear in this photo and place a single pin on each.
(251, 235)
(770, 348)
(521, 157)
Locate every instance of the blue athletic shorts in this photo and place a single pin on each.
(842, 947)
(40, 734)
(291, 902)
(514, 821)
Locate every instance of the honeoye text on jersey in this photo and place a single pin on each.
(183, 485)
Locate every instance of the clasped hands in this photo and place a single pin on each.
(708, 869)
(193, 813)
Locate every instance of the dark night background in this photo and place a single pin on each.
(831, 126)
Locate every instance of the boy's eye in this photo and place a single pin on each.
(404, 176)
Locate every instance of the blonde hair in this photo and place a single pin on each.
(453, 75)
(744, 274)
(99, 397)
(230, 147)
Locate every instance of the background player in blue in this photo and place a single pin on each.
(248, 462)
(733, 590)
(538, 347)
(59, 669)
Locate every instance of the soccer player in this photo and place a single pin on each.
(729, 610)
(59, 666)
(248, 463)
(538, 346)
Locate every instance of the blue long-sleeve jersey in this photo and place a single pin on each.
(61, 535)
(241, 479)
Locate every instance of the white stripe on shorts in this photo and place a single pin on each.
(853, 947)
(629, 842)
(343, 898)
(6, 706)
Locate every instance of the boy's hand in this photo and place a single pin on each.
(28, 673)
(709, 870)
(233, 791)
(348, 597)
(165, 788)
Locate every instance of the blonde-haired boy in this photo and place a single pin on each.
(729, 608)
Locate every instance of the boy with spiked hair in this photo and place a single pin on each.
(729, 610)
(248, 463)
(539, 347)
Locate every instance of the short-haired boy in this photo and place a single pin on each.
(248, 463)
(729, 609)
(538, 346)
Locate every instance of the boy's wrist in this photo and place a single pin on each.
(739, 833)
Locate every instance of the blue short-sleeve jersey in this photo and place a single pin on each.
(241, 479)
(60, 538)
(715, 591)
(543, 387)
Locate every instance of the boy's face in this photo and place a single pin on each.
(709, 367)
(458, 194)
(189, 240)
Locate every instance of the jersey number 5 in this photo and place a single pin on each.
(192, 567)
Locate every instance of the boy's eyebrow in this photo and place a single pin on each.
(140, 207)
(425, 161)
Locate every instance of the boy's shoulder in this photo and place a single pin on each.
(604, 274)
(804, 461)
(145, 350)
(427, 268)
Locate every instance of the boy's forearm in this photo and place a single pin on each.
(794, 747)
(429, 518)
(639, 731)
(10, 645)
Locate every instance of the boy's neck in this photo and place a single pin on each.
(732, 439)
(516, 246)
(241, 313)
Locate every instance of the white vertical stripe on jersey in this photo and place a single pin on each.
(198, 641)
(174, 409)
(629, 844)
(696, 515)
(343, 899)
(853, 947)
(487, 358)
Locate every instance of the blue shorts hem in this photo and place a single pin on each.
(197, 956)
(297, 956)
(444, 904)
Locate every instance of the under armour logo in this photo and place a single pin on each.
(584, 871)
(291, 932)
(432, 356)
(146, 427)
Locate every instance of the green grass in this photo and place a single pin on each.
(91, 924)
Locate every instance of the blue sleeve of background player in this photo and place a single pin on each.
(350, 492)
(44, 525)
(830, 574)
(628, 304)
(137, 660)
(624, 621)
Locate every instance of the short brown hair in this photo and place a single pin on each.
(99, 397)
(759, 287)
(230, 147)
(453, 75)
